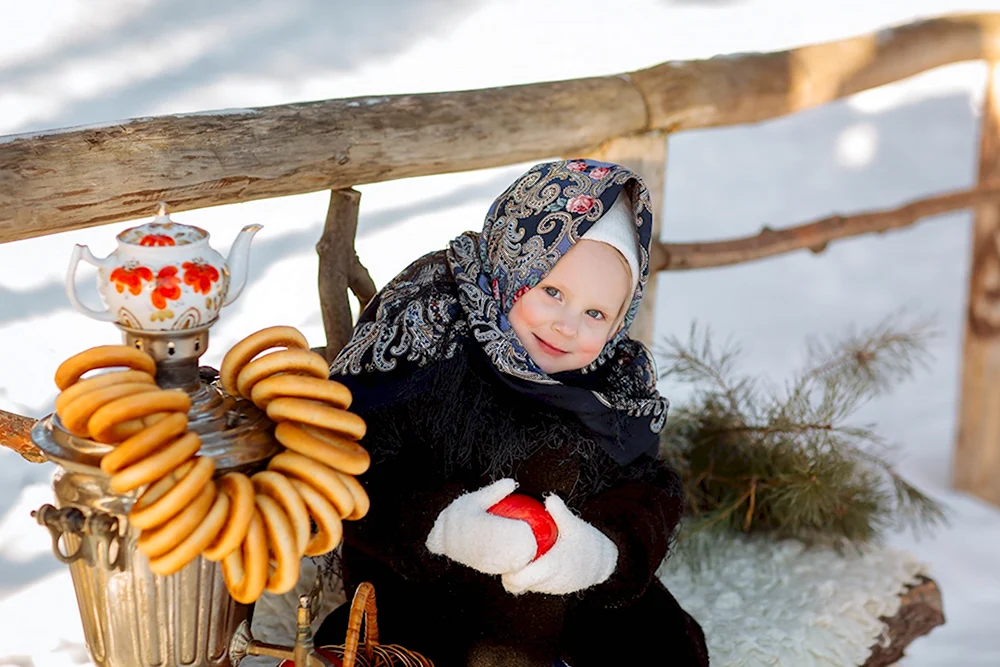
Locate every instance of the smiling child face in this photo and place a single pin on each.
(565, 320)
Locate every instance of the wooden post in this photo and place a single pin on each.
(977, 451)
(646, 155)
(340, 269)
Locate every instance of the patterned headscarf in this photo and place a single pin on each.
(463, 294)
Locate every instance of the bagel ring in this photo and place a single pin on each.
(240, 490)
(300, 386)
(157, 465)
(318, 476)
(102, 356)
(277, 486)
(155, 543)
(330, 530)
(136, 406)
(244, 570)
(281, 538)
(170, 494)
(157, 489)
(239, 355)
(82, 387)
(325, 446)
(127, 429)
(146, 441)
(318, 414)
(361, 501)
(77, 413)
(283, 361)
(193, 544)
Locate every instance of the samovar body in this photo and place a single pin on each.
(131, 616)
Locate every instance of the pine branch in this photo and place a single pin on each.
(784, 461)
(872, 360)
(696, 362)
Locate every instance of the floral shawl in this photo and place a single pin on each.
(456, 300)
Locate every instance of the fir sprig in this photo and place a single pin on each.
(783, 460)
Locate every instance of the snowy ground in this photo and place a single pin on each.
(72, 62)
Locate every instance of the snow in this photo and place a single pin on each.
(68, 63)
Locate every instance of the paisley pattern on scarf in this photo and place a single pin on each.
(464, 292)
(408, 322)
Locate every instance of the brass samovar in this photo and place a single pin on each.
(131, 616)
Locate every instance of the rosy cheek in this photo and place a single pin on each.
(592, 349)
(521, 318)
(527, 311)
(595, 340)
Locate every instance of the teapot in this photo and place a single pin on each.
(164, 276)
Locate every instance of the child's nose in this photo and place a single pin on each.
(566, 324)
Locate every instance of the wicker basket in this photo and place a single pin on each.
(371, 653)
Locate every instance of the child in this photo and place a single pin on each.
(503, 362)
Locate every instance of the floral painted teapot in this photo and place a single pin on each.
(164, 276)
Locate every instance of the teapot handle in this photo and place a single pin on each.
(83, 252)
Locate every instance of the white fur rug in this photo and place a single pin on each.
(760, 602)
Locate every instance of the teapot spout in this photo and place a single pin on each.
(239, 262)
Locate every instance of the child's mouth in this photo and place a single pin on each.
(549, 349)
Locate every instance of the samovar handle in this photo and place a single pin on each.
(105, 528)
(59, 522)
(71, 520)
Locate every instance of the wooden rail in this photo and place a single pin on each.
(79, 177)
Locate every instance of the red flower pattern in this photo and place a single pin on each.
(521, 291)
(580, 204)
(200, 276)
(156, 240)
(168, 286)
(599, 173)
(577, 166)
(495, 285)
(132, 278)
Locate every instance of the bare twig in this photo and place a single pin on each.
(360, 282)
(753, 502)
(818, 234)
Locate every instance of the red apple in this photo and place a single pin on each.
(526, 508)
(329, 655)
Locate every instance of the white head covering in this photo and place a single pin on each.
(617, 228)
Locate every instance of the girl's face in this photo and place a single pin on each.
(565, 320)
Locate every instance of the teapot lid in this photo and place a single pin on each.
(162, 231)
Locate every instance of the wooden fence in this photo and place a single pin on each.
(80, 177)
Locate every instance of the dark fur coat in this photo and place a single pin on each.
(459, 430)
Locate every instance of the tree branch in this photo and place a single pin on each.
(360, 282)
(15, 433)
(814, 235)
(336, 267)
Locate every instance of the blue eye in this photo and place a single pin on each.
(596, 314)
(551, 291)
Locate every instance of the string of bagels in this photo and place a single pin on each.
(258, 526)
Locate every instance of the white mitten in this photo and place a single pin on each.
(465, 532)
(581, 557)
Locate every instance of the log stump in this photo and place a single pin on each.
(920, 613)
